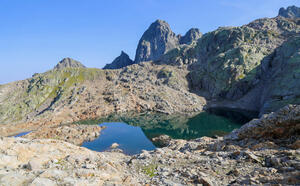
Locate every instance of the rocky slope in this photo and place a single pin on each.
(235, 67)
(75, 134)
(73, 94)
(263, 152)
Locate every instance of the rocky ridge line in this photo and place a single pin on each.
(290, 12)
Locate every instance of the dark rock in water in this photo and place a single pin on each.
(290, 12)
(192, 35)
(161, 141)
(156, 41)
(122, 61)
(68, 63)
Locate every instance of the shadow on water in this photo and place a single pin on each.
(235, 115)
(134, 132)
(204, 124)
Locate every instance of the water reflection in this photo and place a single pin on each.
(141, 128)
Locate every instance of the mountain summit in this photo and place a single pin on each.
(156, 41)
(122, 61)
(68, 63)
(290, 12)
(192, 35)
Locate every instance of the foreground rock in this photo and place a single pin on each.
(241, 158)
(75, 134)
(53, 162)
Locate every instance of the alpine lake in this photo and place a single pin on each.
(133, 133)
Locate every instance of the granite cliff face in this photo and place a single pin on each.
(232, 66)
(290, 12)
(122, 61)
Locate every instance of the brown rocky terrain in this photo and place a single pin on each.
(74, 94)
(75, 134)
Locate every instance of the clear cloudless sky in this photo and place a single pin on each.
(36, 34)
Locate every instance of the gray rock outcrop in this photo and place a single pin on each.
(122, 61)
(68, 63)
(192, 35)
(290, 12)
(156, 41)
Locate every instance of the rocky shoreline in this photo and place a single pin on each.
(241, 158)
(75, 134)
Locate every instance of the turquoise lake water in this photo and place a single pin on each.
(134, 133)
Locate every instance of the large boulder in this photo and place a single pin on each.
(284, 123)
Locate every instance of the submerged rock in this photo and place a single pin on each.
(114, 146)
(161, 141)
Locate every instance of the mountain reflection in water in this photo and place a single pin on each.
(130, 128)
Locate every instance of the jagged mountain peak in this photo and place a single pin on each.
(68, 63)
(156, 41)
(192, 35)
(122, 61)
(160, 22)
(290, 12)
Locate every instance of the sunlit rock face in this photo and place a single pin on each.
(157, 40)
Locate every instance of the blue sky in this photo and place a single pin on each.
(36, 34)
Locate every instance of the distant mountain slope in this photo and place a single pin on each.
(72, 94)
